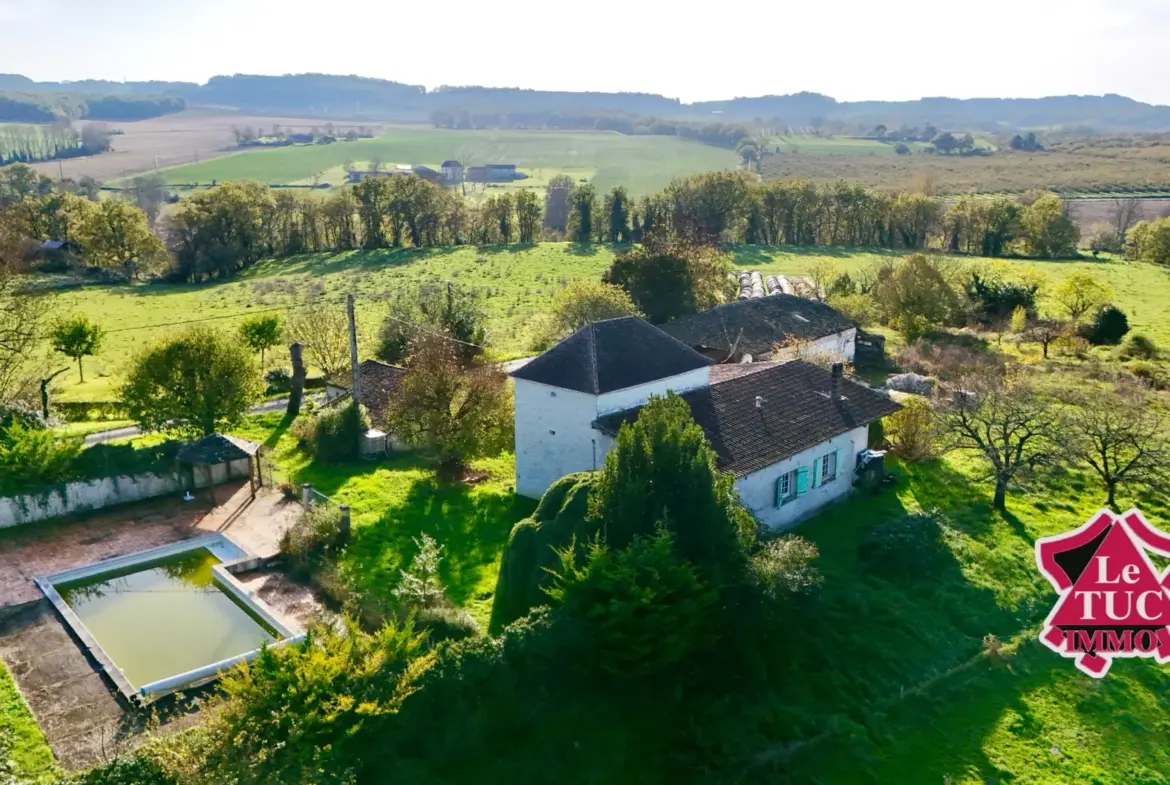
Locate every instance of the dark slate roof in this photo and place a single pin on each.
(378, 381)
(612, 355)
(217, 448)
(450, 163)
(758, 324)
(796, 414)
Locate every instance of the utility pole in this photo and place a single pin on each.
(353, 357)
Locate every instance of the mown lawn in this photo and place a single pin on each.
(395, 500)
(515, 283)
(33, 760)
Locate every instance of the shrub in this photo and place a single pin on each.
(279, 380)
(289, 490)
(420, 586)
(911, 430)
(950, 360)
(140, 769)
(644, 607)
(905, 548)
(859, 307)
(1108, 327)
(337, 433)
(786, 565)
(1141, 347)
(1149, 373)
(446, 624)
(30, 458)
(1071, 345)
(1104, 238)
(312, 539)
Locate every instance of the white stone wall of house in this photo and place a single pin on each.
(758, 490)
(554, 435)
(619, 400)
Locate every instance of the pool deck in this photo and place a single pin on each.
(81, 715)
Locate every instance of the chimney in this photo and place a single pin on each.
(835, 385)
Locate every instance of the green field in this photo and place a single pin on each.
(514, 282)
(810, 144)
(643, 164)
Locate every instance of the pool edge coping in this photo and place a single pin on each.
(159, 688)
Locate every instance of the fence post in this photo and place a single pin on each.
(345, 523)
(307, 495)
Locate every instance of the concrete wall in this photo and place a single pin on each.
(840, 346)
(758, 489)
(98, 494)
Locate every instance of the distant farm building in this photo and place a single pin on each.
(452, 171)
(493, 173)
(426, 173)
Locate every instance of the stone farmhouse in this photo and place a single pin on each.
(749, 330)
(791, 432)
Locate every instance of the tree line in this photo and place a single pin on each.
(51, 107)
(32, 143)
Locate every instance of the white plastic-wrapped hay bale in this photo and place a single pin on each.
(912, 383)
(786, 286)
(773, 284)
(745, 285)
(757, 284)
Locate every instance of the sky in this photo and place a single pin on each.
(848, 49)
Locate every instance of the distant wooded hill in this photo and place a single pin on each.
(355, 96)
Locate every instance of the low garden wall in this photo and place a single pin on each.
(87, 495)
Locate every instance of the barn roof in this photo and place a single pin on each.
(754, 326)
(217, 448)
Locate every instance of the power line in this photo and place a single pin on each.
(412, 325)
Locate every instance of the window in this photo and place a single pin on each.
(827, 468)
(785, 488)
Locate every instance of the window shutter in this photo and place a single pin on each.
(779, 491)
(801, 481)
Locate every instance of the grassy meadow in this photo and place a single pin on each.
(30, 755)
(514, 282)
(641, 163)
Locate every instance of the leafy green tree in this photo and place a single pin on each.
(916, 294)
(118, 234)
(582, 200)
(1108, 327)
(557, 205)
(1149, 241)
(449, 411)
(668, 281)
(527, 216)
(77, 338)
(434, 307)
(1047, 231)
(197, 382)
(261, 333)
(661, 473)
(1080, 293)
(31, 457)
(218, 232)
(617, 214)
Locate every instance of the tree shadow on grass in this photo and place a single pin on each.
(472, 524)
(581, 249)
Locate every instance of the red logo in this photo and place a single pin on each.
(1113, 601)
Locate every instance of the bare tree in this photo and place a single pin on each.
(1006, 422)
(1044, 332)
(323, 330)
(1125, 213)
(1121, 436)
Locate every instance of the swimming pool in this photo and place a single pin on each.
(168, 618)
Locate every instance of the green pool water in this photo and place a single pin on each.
(165, 617)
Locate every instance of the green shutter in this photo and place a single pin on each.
(801, 481)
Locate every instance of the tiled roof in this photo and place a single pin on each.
(796, 413)
(216, 449)
(612, 355)
(755, 326)
(378, 382)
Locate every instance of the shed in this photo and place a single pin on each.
(223, 457)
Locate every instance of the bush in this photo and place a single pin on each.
(113, 460)
(337, 433)
(446, 624)
(140, 769)
(279, 380)
(30, 458)
(1140, 347)
(785, 566)
(312, 539)
(911, 430)
(859, 307)
(951, 359)
(1104, 238)
(906, 548)
(82, 411)
(289, 490)
(1108, 327)
(1149, 373)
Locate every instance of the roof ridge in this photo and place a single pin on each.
(593, 372)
